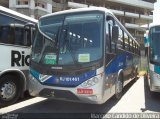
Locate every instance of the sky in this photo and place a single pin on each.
(156, 12)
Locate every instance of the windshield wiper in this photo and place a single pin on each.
(57, 37)
(66, 43)
(45, 45)
(43, 49)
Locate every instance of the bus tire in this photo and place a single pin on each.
(119, 87)
(10, 90)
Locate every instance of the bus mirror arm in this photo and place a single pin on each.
(115, 33)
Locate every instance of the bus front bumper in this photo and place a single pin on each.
(65, 93)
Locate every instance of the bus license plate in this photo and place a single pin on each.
(84, 91)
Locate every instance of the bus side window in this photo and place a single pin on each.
(129, 48)
(130, 44)
(6, 34)
(112, 46)
(18, 33)
(107, 39)
(120, 39)
(133, 47)
(27, 37)
(126, 41)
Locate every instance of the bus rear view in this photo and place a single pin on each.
(154, 58)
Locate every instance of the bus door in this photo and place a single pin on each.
(110, 53)
(128, 58)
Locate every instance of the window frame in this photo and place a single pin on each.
(111, 18)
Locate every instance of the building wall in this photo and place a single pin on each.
(4, 3)
(32, 8)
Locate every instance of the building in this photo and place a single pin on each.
(32, 8)
(59, 5)
(131, 13)
(4, 3)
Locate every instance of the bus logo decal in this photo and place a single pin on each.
(19, 58)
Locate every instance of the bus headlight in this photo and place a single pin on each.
(90, 82)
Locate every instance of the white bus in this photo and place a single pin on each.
(154, 58)
(83, 55)
(15, 42)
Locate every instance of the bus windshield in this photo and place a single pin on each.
(155, 44)
(68, 40)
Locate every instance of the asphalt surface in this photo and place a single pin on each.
(136, 99)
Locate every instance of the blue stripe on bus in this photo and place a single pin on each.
(70, 80)
(118, 63)
(65, 80)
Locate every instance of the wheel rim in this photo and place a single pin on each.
(8, 91)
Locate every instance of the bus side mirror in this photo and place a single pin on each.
(115, 33)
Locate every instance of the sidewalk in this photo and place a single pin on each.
(133, 101)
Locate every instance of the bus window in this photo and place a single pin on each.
(112, 43)
(27, 36)
(120, 39)
(136, 49)
(126, 41)
(6, 34)
(107, 39)
(133, 47)
(129, 44)
(19, 38)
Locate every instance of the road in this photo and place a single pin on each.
(136, 99)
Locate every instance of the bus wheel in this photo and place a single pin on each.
(119, 88)
(9, 90)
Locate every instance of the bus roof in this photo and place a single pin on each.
(78, 10)
(6, 10)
